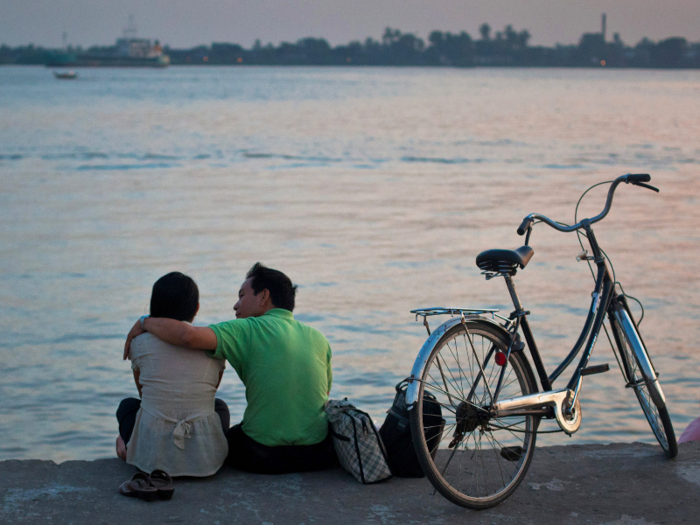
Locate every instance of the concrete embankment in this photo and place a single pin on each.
(622, 484)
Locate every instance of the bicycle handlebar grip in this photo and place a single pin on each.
(639, 177)
(524, 226)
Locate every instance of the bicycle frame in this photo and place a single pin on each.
(603, 295)
(601, 299)
(604, 301)
(543, 403)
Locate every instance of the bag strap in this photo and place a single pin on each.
(401, 385)
(382, 449)
(404, 422)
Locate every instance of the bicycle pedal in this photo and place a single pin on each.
(599, 369)
(511, 453)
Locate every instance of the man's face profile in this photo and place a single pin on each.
(249, 304)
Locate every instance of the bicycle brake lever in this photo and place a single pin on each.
(583, 256)
(647, 186)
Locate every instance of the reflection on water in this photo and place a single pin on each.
(374, 189)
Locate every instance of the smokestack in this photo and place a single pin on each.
(603, 26)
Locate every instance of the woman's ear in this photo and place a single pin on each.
(195, 313)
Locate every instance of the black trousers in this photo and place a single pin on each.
(244, 453)
(126, 415)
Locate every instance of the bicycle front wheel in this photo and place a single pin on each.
(476, 461)
(641, 376)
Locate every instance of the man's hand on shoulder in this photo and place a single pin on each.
(174, 332)
(135, 330)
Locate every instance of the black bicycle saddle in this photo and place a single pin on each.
(504, 261)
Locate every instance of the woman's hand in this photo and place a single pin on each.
(135, 330)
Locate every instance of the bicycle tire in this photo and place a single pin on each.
(503, 457)
(642, 378)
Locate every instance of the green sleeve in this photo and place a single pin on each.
(329, 369)
(231, 341)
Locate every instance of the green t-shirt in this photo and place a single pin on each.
(286, 369)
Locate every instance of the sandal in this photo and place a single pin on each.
(163, 483)
(139, 486)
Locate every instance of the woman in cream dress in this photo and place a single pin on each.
(177, 425)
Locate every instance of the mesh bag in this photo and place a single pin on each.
(357, 443)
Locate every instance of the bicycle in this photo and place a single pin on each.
(476, 366)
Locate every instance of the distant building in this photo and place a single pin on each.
(603, 24)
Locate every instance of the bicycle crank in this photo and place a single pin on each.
(571, 415)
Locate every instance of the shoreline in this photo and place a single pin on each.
(619, 483)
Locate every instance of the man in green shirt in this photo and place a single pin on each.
(284, 365)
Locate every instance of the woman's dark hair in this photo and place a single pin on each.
(282, 291)
(175, 296)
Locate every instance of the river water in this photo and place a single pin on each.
(373, 188)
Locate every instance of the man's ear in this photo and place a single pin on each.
(265, 300)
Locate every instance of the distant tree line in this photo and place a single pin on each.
(502, 48)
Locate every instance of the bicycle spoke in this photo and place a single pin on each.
(437, 389)
(474, 380)
(498, 459)
(447, 431)
(461, 372)
(469, 360)
(459, 366)
(435, 386)
(509, 383)
(509, 426)
(450, 459)
(450, 371)
(471, 344)
(487, 481)
(437, 426)
(442, 375)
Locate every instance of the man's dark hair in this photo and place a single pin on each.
(282, 291)
(175, 296)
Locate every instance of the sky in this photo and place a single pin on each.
(186, 23)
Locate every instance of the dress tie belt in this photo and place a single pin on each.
(182, 431)
(183, 427)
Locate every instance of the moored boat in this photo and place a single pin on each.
(67, 75)
(128, 51)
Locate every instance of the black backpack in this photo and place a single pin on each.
(396, 433)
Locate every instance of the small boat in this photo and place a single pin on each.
(68, 75)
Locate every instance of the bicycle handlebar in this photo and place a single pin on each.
(527, 221)
(640, 177)
(637, 179)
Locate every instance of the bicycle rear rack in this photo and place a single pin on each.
(452, 312)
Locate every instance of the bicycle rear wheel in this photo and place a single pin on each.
(641, 376)
(477, 461)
